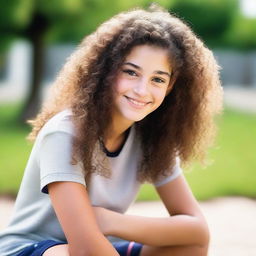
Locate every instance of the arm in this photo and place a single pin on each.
(181, 204)
(69, 198)
(75, 214)
(186, 226)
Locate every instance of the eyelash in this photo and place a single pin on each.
(159, 80)
(133, 73)
(130, 72)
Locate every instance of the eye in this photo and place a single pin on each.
(130, 72)
(158, 80)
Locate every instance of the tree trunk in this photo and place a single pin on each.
(36, 34)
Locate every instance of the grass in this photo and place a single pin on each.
(14, 150)
(231, 173)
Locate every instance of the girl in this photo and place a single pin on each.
(135, 98)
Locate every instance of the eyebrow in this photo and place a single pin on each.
(138, 67)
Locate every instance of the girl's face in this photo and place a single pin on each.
(142, 83)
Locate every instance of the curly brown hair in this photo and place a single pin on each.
(183, 125)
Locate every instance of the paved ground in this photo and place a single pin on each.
(240, 98)
(231, 221)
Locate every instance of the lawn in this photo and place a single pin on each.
(14, 149)
(231, 173)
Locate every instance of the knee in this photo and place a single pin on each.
(199, 250)
(202, 248)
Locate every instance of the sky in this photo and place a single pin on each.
(248, 8)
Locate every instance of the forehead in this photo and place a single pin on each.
(149, 55)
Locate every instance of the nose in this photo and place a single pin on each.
(141, 87)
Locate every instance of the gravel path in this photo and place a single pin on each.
(231, 221)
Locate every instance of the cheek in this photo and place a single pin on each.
(120, 86)
(159, 96)
(117, 90)
(123, 86)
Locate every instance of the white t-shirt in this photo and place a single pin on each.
(34, 219)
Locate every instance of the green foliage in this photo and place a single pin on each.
(209, 19)
(15, 14)
(57, 9)
(66, 20)
(92, 13)
(73, 27)
(219, 23)
(242, 34)
(14, 150)
(5, 43)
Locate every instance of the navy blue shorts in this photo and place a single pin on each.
(124, 248)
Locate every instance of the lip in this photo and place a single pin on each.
(137, 103)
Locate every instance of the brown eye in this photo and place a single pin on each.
(158, 80)
(130, 72)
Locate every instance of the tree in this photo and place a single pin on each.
(13, 17)
(42, 23)
(43, 19)
(209, 19)
(241, 34)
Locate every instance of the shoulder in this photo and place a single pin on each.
(60, 122)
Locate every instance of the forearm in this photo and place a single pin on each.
(95, 245)
(175, 230)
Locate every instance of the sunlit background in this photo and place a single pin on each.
(37, 36)
(36, 39)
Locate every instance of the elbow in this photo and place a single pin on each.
(203, 237)
(203, 243)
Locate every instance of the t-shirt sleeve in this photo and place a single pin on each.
(176, 171)
(55, 156)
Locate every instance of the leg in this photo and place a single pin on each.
(174, 251)
(61, 249)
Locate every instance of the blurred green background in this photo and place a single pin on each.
(222, 24)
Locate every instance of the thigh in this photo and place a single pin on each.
(61, 249)
(39, 248)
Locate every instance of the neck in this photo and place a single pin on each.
(115, 134)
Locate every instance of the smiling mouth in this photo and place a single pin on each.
(136, 102)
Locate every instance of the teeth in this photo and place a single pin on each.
(137, 103)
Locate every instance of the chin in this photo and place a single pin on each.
(137, 118)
